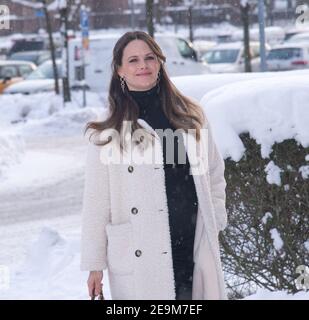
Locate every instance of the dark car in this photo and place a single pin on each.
(36, 57)
(22, 45)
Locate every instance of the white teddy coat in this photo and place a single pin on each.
(112, 231)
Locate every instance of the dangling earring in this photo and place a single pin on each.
(122, 83)
(158, 81)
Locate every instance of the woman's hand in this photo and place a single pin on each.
(95, 283)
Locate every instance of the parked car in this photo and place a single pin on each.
(289, 56)
(3, 53)
(37, 57)
(202, 46)
(181, 59)
(40, 80)
(22, 45)
(14, 71)
(229, 57)
(299, 37)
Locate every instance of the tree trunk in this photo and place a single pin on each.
(65, 76)
(52, 46)
(149, 17)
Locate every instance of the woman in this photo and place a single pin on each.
(153, 223)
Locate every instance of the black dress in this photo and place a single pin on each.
(180, 191)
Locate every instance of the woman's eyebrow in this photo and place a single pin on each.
(145, 55)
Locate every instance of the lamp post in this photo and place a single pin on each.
(262, 35)
(132, 20)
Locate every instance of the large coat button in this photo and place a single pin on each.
(130, 169)
(134, 210)
(138, 253)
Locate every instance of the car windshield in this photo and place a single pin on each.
(284, 53)
(44, 71)
(24, 57)
(169, 46)
(28, 45)
(221, 56)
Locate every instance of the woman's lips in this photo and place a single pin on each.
(144, 74)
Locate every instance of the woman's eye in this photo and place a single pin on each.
(149, 58)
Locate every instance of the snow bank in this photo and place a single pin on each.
(20, 108)
(65, 122)
(12, 149)
(197, 86)
(271, 109)
(37, 115)
(44, 113)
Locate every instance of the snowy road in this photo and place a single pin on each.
(57, 199)
(59, 196)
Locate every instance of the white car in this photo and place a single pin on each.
(289, 56)
(229, 57)
(299, 37)
(180, 59)
(40, 80)
(202, 46)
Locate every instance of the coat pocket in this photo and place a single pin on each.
(120, 248)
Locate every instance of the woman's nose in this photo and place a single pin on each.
(143, 64)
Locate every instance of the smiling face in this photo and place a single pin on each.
(140, 66)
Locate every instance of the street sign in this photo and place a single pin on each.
(84, 24)
(39, 13)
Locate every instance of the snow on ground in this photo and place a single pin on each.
(263, 294)
(48, 263)
(11, 152)
(41, 195)
(49, 167)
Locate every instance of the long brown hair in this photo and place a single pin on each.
(182, 112)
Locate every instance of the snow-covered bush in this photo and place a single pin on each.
(267, 203)
(261, 127)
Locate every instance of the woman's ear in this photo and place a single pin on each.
(119, 72)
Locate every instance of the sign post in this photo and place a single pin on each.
(84, 24)
(261, 12)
